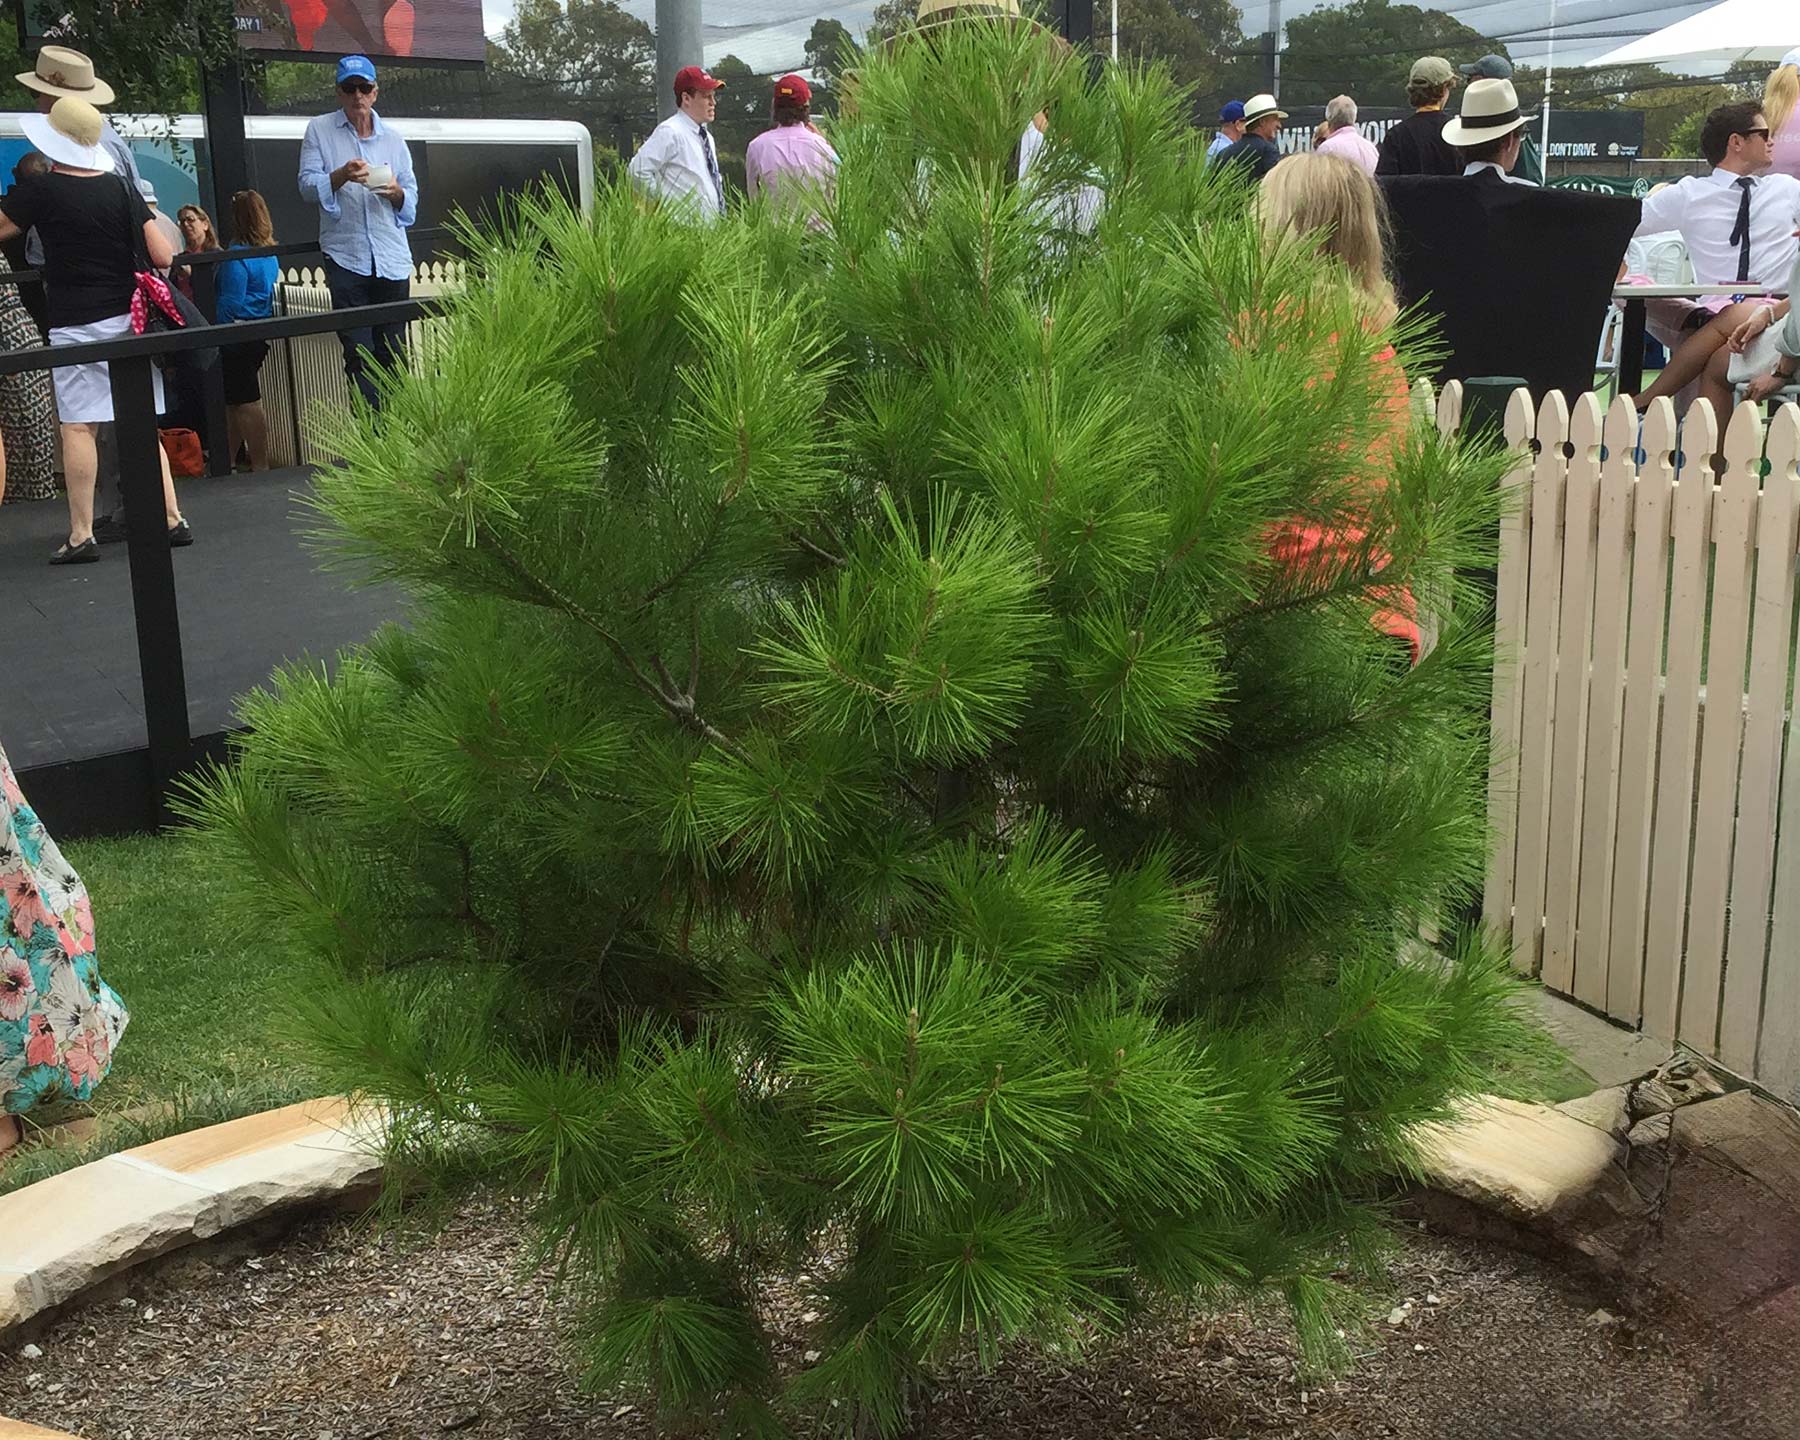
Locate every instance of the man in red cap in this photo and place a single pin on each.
(678, 163)
(793, 164)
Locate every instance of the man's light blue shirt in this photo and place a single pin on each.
(357, 228)
(1220, 144)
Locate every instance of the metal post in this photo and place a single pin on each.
(1549, 77)
(677, 44)
(227, 151)
(152, 578)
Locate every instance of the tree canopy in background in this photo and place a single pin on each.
(1365, 50)
(589, 49)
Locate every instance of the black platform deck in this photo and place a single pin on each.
(251, 594)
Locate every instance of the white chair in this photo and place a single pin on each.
(1606, 358)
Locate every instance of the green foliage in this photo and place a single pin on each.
(1366, 49)
(859, 791)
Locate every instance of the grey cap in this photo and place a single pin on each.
(147, 190)
(1488, 67)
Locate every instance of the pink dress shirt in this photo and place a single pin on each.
(1348, 144)
(784, 163)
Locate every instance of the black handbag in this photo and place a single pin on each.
(157, 321)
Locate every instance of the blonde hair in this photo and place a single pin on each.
(1779, 94)
(211, 241)
(250, 223)
(1337, 201)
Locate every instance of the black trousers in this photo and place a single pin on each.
(383, 345)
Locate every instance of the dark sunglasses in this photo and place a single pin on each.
(355, 87)
(1762, 130)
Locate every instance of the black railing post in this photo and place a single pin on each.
(152, 577)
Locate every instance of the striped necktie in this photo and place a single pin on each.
(712, 168)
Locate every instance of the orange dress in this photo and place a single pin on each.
(1300, 546)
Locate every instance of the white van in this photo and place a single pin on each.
(462, 164)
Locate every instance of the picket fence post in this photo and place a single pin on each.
(1778, 1050)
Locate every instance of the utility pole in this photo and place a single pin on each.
(1274, 50)
(677, 44)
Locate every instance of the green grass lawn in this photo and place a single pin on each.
(204, 1043)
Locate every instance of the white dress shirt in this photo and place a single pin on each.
(1475, 167)
(672, 165)
(1704, 208)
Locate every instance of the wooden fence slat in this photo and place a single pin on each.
(1543, 602)
(1606, 697)
(1753, 856)
(1449, 407)
(1652, 499)
(1778, 1052)
(1568, 749)
(1671, 841)
(1728, 641)
(1504, 716)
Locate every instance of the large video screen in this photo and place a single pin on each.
(422, 30)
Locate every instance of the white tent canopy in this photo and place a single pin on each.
(1728, 34)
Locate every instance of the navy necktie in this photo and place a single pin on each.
(1740, 235)
(712, 168)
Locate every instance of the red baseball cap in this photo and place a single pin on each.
(693, 80)
(792, 87)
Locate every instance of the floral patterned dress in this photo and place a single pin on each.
(58, 1022)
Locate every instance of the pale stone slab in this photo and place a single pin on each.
(1611, 1055)
(1524, 1160)
(19, 1430)
(1608, 1110)
(67, 1233)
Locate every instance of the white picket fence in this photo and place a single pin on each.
(303, 379)
(1646, 831)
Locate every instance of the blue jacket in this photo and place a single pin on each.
(246, 288)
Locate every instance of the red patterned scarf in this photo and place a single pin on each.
(152, 289)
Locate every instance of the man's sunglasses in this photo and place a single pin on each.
(1762, 130)
(355, 87)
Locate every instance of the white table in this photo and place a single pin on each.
(1631, 335)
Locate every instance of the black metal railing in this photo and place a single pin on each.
(427, 241)
(129, 359)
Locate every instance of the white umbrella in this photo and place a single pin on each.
(1731, 32)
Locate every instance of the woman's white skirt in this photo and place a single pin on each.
(84, 392)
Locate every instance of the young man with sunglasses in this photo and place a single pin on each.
(1738, 224)
(359, 173)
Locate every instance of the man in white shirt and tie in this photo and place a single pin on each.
(679, 162)
(1738, 224)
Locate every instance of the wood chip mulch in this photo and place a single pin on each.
(335, 1332)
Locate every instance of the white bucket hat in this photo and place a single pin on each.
(1261, 107)
(62, 71)
(1490, 111)
(69, 135)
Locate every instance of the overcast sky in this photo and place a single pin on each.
(768, 34)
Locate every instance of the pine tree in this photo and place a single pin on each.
(856, 793)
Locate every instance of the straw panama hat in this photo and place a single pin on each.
(62, 71)
(1490, 111)
(1261, 107)
(69, 135)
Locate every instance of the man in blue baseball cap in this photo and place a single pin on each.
(359, 173)
(1231, 129)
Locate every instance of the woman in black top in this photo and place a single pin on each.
(92, 225)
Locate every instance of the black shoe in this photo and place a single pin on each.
(85, 553)
(180, 535)
(109, 530)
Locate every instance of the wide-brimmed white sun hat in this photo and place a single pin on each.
(68, 135)
(1261, 107)
(62, 71)
(1490, 111)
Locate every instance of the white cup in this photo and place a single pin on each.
(379, 176)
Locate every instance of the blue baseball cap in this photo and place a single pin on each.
(356, 67)
(1231, 110)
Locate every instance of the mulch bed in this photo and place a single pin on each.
(334, 1332)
